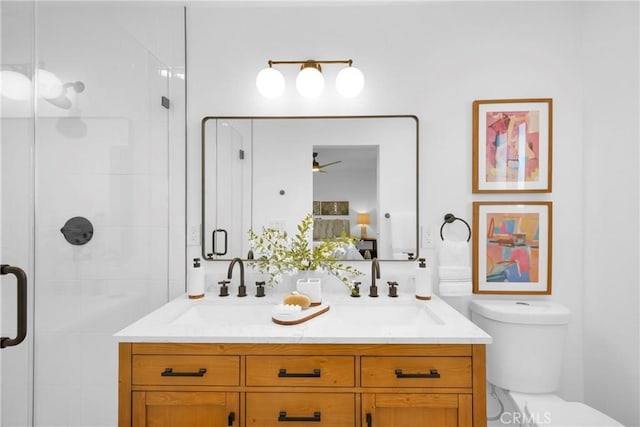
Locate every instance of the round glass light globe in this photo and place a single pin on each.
(270, 82)
(14, 85)
(349, 82)
(49, 85)
(310, 82)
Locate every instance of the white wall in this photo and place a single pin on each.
(358, 187)
(611, 154)
(431, 60)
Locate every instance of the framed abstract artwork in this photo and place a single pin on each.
(512, 145)
(512, 247)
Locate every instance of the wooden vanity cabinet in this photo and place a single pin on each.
(184, 408)
(293, 385)
(431, 408)
(417, 409)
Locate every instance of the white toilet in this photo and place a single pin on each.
(525, 360)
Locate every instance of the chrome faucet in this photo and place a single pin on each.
(242, 289)
(375, 273)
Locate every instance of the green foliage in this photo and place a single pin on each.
(279, 254)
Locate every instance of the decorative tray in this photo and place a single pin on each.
(295, 318)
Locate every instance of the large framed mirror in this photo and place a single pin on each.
(356, 174)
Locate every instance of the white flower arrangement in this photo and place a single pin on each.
(278, 253)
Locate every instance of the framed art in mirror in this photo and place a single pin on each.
(512, 247)
(512, 145)
(331, 208)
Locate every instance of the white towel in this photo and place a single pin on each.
(454, 273)
(403, 231)
(454, 254)
(451, 288)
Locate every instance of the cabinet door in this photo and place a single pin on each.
(416, 410)
(185, 409)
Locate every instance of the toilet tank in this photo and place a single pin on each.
(528, 342)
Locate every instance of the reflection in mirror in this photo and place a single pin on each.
(345, 195)
(356, 174)
(227, 180)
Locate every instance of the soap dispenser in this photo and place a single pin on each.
(423, 280)
(195, 283)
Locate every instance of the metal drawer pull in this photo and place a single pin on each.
(433, 373)
(168, 372)
(282, 373)
(369, 420)
(283, 417)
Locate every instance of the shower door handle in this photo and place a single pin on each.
(22, 305)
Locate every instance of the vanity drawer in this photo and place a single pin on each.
(416, 371)
(334, 371)
(297, 409)
(185, 370)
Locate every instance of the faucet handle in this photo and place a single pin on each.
(224, 289)
(393, 289)
(260, 289)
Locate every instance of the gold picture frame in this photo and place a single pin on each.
(512, 145)
(512, 247)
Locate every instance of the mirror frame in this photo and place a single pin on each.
(382, 116)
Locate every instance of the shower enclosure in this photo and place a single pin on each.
(92, 197)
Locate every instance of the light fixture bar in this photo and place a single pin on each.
(314, 61)
(310, 82)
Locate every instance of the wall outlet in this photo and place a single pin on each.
(427, 237)
(193, 235)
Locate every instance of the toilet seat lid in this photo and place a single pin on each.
(567, 414)
(531, 312)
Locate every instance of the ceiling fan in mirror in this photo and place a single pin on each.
(317, 167)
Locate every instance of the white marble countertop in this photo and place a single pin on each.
(364, 320)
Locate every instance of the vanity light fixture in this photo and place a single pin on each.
(310, 81)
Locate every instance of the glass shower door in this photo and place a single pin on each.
(102, 153)
(16, 206)
(87, 135)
